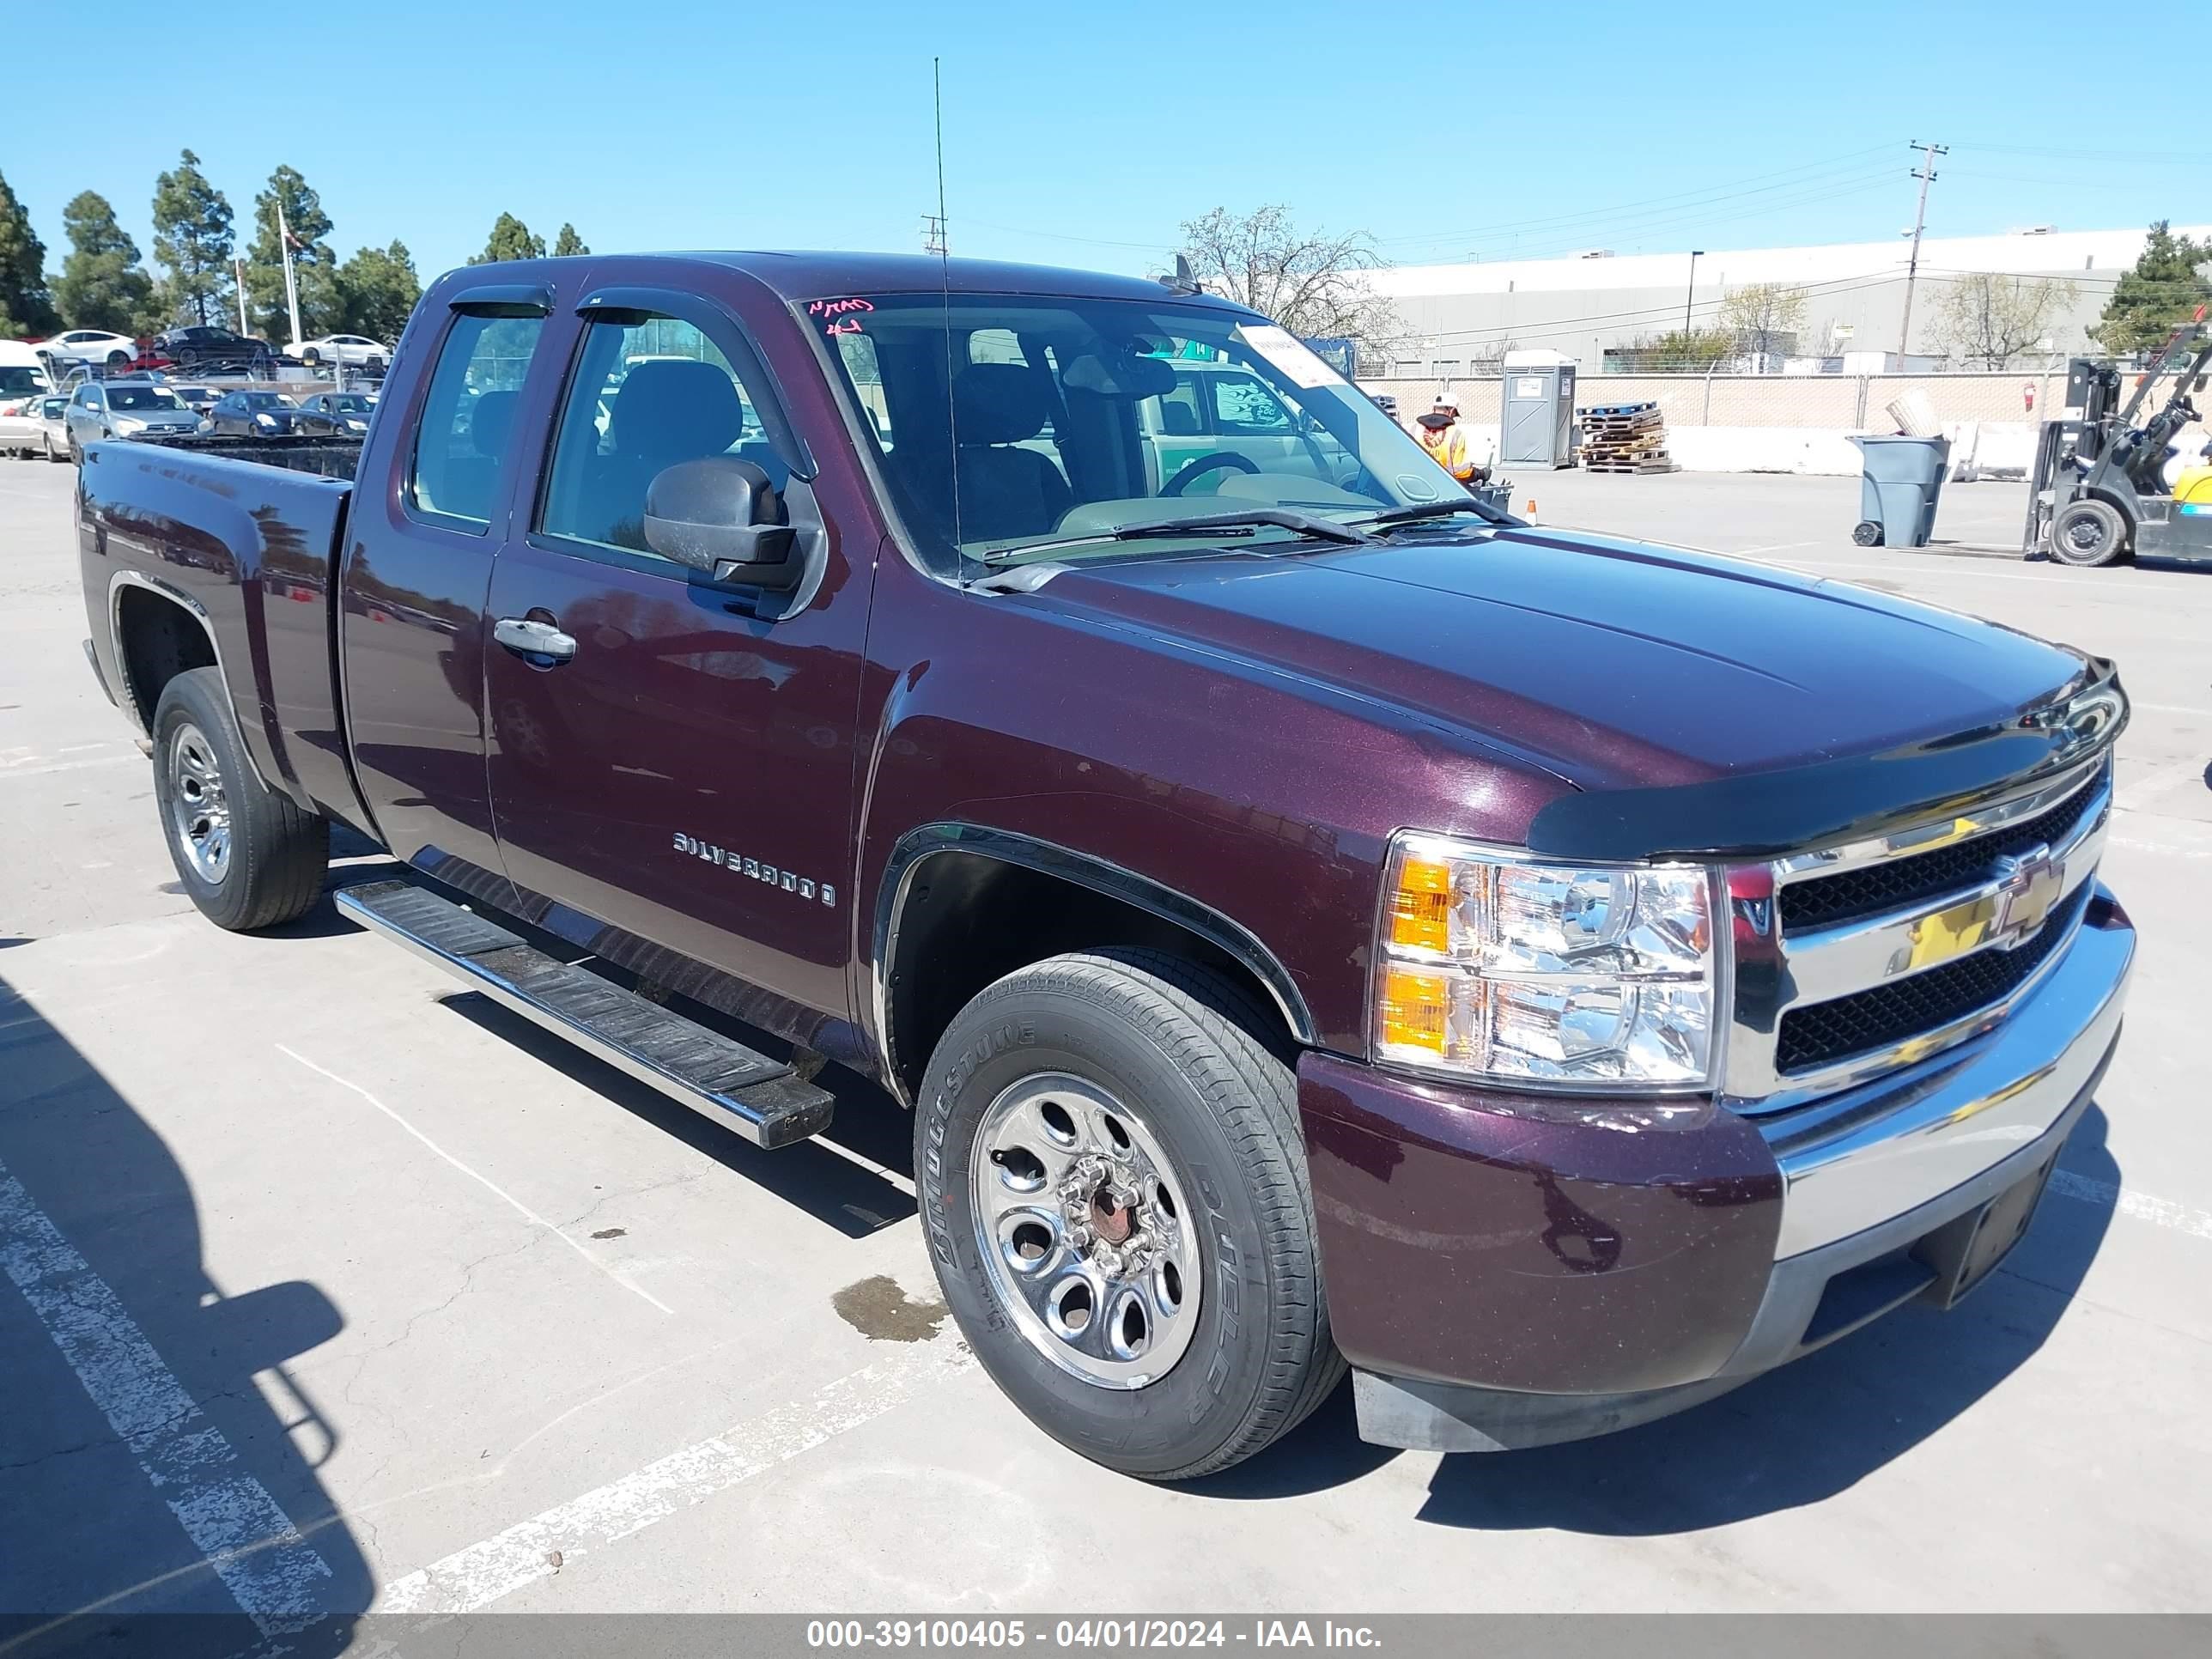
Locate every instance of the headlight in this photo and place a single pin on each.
(265, 419)
(127, 426)
(1559, 975)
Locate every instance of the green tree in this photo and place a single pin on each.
(1677, 349)
(567, 242)
(102, 284)
(510, 239)
(26, 307)
(377, 291)
(193, 242)
(2155, 298)
(314, 266)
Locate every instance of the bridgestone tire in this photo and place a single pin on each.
(1178, 1042)
(278, 854)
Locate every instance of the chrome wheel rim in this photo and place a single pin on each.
(199, 808)
(1084, 1230)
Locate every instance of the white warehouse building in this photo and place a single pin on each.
(1461, 318)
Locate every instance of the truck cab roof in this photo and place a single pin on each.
(801, 276)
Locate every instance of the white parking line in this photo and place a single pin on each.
(228, 1515)
(483, 1180)
(482, 1573)
(2159, 1212)
(27, 771)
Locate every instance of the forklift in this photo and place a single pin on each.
(2097, 492)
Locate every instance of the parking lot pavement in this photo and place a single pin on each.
(409, 1307)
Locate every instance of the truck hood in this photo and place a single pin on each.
(1611, 663)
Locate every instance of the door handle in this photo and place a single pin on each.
(533, 639)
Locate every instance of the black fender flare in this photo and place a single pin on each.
(917, 847)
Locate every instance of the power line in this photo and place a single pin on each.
(1724, 190)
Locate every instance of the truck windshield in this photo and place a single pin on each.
(1007, 422)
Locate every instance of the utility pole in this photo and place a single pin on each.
(1925, 173)
(1695, 254)
(238, 265)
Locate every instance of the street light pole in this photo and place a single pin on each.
(1696, 253)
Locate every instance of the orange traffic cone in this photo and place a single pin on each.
(1530, 513)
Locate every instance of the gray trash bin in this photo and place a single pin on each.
(1898, 487)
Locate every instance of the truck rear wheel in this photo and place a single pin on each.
(247, 857)
(1111, 1174)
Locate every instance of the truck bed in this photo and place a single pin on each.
(245, 533)
(327, 458)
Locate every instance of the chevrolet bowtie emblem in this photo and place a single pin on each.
(2028, 885)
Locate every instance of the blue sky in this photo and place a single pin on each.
(1082, 135)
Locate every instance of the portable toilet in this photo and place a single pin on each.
(1536, 418)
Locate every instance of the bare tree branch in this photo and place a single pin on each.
(1994, 318)
(1312, 283)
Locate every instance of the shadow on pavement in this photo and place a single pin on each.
(1795, 1437)
(137, 1437)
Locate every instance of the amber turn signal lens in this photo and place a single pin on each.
(1414, 1010)
(1421, 906)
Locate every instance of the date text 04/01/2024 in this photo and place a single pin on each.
(1086, 1633)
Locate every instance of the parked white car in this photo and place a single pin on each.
(91, 345)
(355, 351)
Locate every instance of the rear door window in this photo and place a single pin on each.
(468, 417)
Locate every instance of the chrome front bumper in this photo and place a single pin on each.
(1860, 1158)
(1873, 1177)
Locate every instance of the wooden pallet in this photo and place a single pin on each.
(1658, 462)
(1656, 439)
(1602, 411)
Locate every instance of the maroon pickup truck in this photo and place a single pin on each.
(1313, 920)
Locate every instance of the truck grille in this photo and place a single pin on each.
(1854, 894)
(1828, 1032)
(1853, 961)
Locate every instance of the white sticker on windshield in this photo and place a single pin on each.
(1289, 354)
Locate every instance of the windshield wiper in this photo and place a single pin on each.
(1421, 510)
(1254, 518)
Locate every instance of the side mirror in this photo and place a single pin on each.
(722, 516)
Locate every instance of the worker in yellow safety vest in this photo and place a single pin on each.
(1446, 440)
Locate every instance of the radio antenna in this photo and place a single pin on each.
(945, 275)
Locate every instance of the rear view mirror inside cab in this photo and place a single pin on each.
(720, 516)
(1118, 372)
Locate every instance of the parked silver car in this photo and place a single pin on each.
(54, 427)
(124, 408)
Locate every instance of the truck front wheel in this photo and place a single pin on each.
(1115, 1190)
(247, 857)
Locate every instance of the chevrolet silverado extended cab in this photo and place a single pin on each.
(1314, 920)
